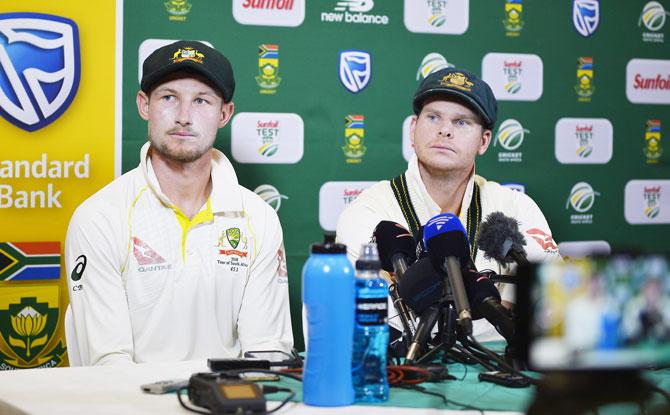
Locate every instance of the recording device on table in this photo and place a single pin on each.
(592, 325)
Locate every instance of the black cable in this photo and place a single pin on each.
(190, 408)
(446, 401)
(273, 389)
(663, 392)
(479, 359)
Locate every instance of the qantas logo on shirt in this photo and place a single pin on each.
(148, 259)
(543, 239)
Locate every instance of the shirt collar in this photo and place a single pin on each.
(424, 205)
(225, 196)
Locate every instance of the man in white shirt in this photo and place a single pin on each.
(174, 260)
(455, 113)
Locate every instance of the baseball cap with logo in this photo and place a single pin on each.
(189, 56)
(461, 83)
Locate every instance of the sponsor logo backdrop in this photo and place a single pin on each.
(57, 132)
(585, 121)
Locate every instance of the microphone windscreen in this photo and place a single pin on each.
(445, 236)
(498, 235)
(421, 286)
(392, 238)
(479, 287)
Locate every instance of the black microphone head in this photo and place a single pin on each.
(478, 288)
(393, 239)
(498, 235)
(422, 285)
(445, 236)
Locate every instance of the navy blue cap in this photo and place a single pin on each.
(190, 56)
(463, 84)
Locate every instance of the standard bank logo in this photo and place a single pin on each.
(437, 16)
(334, 197)
(355, 70)
(583, 140)
(586, 16)
(270, 195)
(646, 202)
(510, 136)
(41, 52)
(432, 62)
(513, 76)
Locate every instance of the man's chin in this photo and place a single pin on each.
(183, 155)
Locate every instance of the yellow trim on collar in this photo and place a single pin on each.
(205, 215)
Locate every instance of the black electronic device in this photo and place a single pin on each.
(224, 395)
(224, 364)
(509, 380)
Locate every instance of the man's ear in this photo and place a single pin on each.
(142, 100)
(486, 141)
(412, 127)
(227, 110)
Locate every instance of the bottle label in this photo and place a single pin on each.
(371, 311)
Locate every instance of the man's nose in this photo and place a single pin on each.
(446, 130)
(184, 113)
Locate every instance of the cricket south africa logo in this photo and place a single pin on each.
(581, 199)
(653, 19)
(39, 68)
(432, 62)
(586, 16)
(270, 195)
(355, 70)
(510, 136)
(268, 68)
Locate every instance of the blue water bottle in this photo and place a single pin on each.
(328, 290)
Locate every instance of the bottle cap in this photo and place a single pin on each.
(368, 258)
(328, 248)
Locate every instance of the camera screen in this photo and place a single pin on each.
(600, 313)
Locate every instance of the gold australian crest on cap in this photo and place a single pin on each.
(188, 54)
(457, 80)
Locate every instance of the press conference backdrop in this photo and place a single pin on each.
(322, 104)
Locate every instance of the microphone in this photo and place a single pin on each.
(485, 300)
(428, 320)
(396, 249)
(422, 286)
(500, 239)
(449, 250)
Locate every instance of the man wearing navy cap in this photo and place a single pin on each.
(175, 260)
(455, 113)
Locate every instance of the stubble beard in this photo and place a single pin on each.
(178, 153)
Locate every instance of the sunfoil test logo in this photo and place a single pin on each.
(653, 18)
(581, 199)
(510, 136)
(354, 11)
(355, 70)
(586, 16)
(39, 68)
